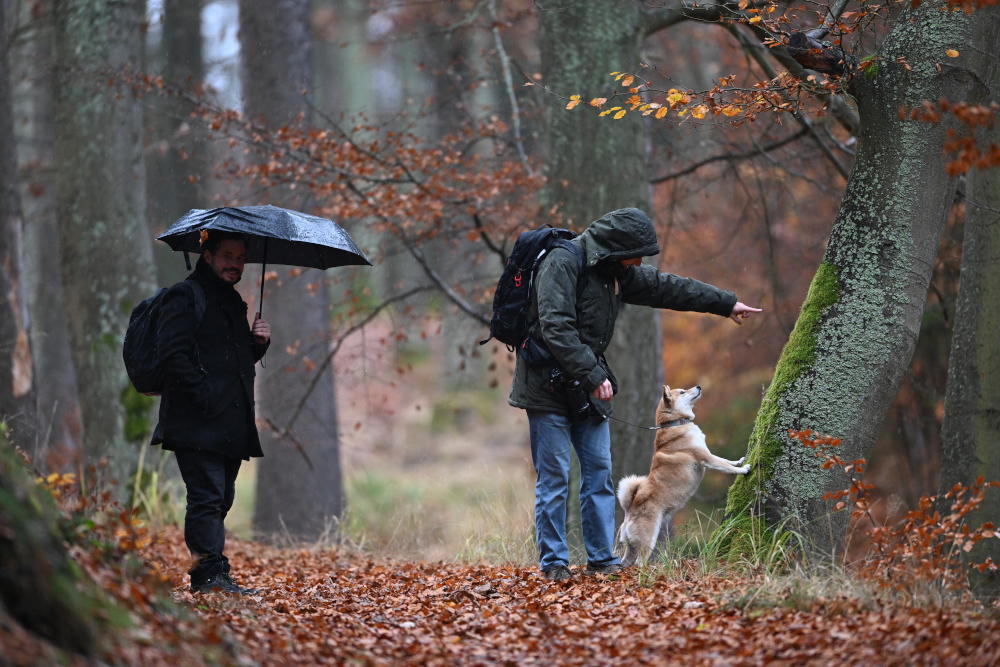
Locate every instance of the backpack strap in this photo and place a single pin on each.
(581, 274)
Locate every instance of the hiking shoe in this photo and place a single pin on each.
(592, 569)
(220, 582)
(557, 573)
(243, 591)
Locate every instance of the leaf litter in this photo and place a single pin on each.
(331, 606)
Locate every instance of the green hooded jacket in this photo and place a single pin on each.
(579, 344)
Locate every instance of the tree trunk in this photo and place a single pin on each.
(294, 499)
(177, 157)
(851, 346)
(17, 395)
(57, 404)
(970, 434)
(107, 264)
(596, 165)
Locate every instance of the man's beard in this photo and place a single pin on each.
(230, 274)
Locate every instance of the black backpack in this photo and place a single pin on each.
(142, 358)
(509, 323)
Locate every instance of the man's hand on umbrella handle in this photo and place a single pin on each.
(261, 330)
(604, 391)
(742, 310)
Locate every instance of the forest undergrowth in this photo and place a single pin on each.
(334, 602)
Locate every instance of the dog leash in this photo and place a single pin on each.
(676, 422)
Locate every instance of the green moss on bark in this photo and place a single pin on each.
(38, 580)
(766, 444)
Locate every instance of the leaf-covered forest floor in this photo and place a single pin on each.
(332, 607)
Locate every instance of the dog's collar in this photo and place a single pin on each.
(676, 422)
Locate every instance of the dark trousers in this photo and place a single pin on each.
(211, 486)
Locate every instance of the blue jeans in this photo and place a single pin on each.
(551, 437)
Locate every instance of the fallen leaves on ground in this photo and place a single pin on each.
(329, 607)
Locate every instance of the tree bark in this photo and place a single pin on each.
(970, 434)
(178, 155)
(851, 346)
(57, 404)
(107, 264)
(299, 494)
(596, 165)
(17, 392)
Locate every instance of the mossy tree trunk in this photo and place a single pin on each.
(970, 435)
(17, 396)
(596, 165)
(38, 581)
(294, 499)
(854, 338)
(107, 263)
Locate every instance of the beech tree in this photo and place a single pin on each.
(299, 484)
(54, 378)
(17, 396)
(858, 327)
(971, 430)
(105, 251)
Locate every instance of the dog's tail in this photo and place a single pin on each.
(627, 488)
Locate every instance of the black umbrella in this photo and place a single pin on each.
(275, 235)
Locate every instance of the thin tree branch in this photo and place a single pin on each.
(456, 298)
(515, 110)
(831, 20)
(285, 433)
(325, 364)
(791, 173)
(730, 157)
(755, 52)
(654, 20)
(840, 110)
(490, 243)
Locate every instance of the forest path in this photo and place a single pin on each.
(325, 607)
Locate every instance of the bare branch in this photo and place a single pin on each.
(654, 20)
(831, 20)
(730, 157)
(756, 51)
(490, 243)
(455, 297)
(325, 364)
(515, 110)
(285, 433)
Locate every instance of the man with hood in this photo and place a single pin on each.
(572, 331)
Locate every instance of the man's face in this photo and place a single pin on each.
(228, 260)
(635, 261)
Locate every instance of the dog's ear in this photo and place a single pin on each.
(666, 395)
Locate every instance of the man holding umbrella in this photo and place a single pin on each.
(208, 351)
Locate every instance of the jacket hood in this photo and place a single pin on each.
(623, 234)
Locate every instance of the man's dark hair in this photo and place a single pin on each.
(216, 237)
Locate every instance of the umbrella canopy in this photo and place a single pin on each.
(274, 236)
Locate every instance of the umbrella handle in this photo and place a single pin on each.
(260, 305)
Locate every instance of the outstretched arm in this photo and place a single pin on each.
(643, 285)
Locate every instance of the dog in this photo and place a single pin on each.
(679, 465)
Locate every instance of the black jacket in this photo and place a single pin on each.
(207, 402)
